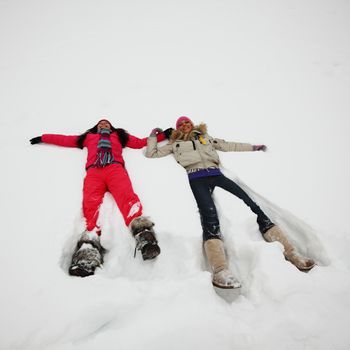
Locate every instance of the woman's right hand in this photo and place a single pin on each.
(35, 140)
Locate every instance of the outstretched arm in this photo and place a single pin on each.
(225, 146)
(135, 142)
(152, 150)
(56, 139)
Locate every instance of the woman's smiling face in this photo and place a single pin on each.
(185, 127)
(103, 124)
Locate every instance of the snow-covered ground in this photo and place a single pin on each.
(273, 72)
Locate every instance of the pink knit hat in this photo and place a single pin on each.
(181, 120)
(105, 120)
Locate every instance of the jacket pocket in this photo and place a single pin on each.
(210, 153)
(185, 154)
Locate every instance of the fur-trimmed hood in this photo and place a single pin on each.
(176, 135)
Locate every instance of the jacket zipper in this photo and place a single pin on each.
(200, 154)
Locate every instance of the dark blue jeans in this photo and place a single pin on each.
(203, 188)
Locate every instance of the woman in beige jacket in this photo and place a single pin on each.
(196, 151)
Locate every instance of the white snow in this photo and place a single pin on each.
(272, 72)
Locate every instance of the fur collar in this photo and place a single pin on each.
(177, 135)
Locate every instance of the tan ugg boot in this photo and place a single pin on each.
(222, 276)
(276, 234)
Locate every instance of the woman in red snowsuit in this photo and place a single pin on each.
(105, 171)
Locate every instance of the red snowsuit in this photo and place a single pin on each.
(112, 178)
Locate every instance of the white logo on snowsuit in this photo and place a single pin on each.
(134, 209)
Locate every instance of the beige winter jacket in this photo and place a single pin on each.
(196, 150)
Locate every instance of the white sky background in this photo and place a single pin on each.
(272, 72)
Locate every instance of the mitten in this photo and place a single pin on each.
(259, 148)
(156, 131)
(35, 140)
(167, 132)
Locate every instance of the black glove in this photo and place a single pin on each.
(167, 132)
(35, 140)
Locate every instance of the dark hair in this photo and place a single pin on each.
(121, 133)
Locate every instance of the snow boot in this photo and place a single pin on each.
(222, 277)
(142, 230)
(88, 255)
(276, 234)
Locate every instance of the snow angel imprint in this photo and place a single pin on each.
(196, 151)
(105, 171)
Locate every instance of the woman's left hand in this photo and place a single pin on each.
(167, 132)
(259, 148)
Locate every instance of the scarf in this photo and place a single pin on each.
(104, 149)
